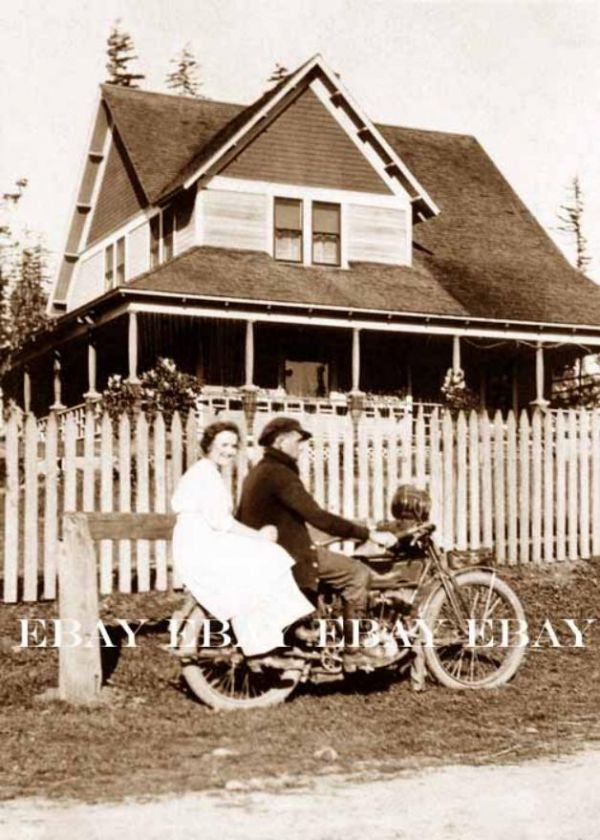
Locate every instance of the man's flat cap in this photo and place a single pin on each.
(280, 426)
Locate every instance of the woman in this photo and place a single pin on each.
(236, 573)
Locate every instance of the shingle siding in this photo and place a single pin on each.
(119, 197)
(306, 146)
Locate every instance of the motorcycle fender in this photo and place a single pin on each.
(433, 587)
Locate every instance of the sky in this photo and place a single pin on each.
(523, 77)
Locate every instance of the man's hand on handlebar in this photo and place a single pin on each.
(382, 538)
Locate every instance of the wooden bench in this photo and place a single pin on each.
(80, 670)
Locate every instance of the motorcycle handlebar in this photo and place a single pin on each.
(416, 531)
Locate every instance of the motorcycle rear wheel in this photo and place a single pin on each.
(222, 680)
(451, 660)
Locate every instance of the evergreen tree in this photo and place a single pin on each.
(571, 219)
(121, 52)
(29, 296)
(10, 252)
(185, 78)
(278, 74)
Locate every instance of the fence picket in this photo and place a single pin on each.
(420, 449)
(173, 476)
(142, 499)
(435, 482)
(524, 488)
(363, 471)
(448, 472)
(88, 460)
(572, 486)
(348, 475)
(561, 486)
(70, 464)
(550, 462)
(11, 510)
(50, 506)
(319, 460)
(106, 500)
(124, 500)
(595, 444)
(333, 466)
(378, 507)
(461, 482)
(474, 470)
(30, 527)
(160, 497)
(512, 492)
(584, 485)
(499, 490)
(536, 487)
(487, 496)
(191, 440)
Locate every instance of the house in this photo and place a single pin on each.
(294, 249)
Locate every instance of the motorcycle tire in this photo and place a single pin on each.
(481, 592)
(232, 687)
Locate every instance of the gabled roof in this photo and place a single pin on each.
(162, 133)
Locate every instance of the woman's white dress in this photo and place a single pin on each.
(240, 579)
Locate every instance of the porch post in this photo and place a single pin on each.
(249, 357)
(356, 398)
(355, 361)
(249, 395)
(540, 401)
(456, 362)
(132, 348)
(57, 405)
(26, 390)
(91, 394)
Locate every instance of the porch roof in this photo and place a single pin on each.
(250, 275)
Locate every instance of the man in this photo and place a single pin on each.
(273, 494)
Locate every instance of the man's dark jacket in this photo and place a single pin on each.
(273, 494)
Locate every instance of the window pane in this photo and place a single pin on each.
(326, 249)
(120, 270)
(168, 234)
(109, 256)
(288, 245)
(326, 218)
(288, 214)
(154, 240)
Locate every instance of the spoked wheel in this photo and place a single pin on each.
(221, 678)
(463, 659)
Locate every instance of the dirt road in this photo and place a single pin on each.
(541, 800)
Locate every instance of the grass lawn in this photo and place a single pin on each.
(155, 738)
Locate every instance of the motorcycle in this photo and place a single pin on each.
(426, 611)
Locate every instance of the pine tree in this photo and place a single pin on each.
(185, 78)
(279, 73)
(121, 52)
(29, 297)
(571, 219)
(10, 256)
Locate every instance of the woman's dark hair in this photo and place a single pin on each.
(213, 430)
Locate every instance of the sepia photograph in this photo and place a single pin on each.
(300, 419)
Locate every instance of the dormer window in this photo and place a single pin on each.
(162, 237)
(326, 233)
(288, 229)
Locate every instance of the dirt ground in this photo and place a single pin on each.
(549, 799)
(154, 739)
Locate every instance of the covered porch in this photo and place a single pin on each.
(268, 357)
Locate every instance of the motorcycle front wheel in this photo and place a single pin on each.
(221, 678)
(461, 658)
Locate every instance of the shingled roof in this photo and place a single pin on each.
(483, 256)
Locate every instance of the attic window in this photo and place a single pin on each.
(288, 229)
(114, 264)
(325, 233)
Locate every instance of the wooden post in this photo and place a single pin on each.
(57, 405)
(80, 672)
(249, 357)
(355, 361)
(539, 400)
(26, 390)
(132, 348)
(456, 361)
(91, 394)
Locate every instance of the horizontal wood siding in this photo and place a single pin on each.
(119, 197)
(234, 220)
(377, 234)
(89, 280)
(138, 251)
(306, 146)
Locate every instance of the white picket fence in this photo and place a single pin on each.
(527, 487)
